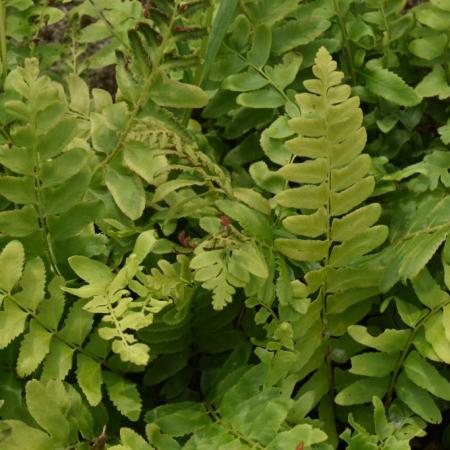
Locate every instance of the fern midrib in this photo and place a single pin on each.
(405, 352)
(262, 73)
(323, 313)
(39, 207)
(109, 25)
(427, 230)
(113, 316)
(229, 428)
(53, 332)
(200, 164)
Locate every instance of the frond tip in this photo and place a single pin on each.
(331, 178)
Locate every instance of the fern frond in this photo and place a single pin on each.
(408, 362)
(416, 239)
(60, 417)
(50, 165)
(327, 186)
(386, 434)
(52, 334)
(228, 264)
(332, 181)
(111, 296)
(259, 422)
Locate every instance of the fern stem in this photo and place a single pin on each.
(199, 72)
(346, 39)
(3, 49)
(143, 98)
(386, 36)
(324, 288)
(45, 229)
(35, 37)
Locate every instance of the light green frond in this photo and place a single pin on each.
(327, 185)
(331, 179)
(111, 296)
(53, 332)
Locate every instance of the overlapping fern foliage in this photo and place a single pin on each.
(224, 225)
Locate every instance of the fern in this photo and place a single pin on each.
(386, 435)
(115, 126)
(252, 82)
(416, 239)
(217, 278)
(258, 423)
(222, 270)
(335, 231)
(110, 297)
(416, 352)
(178, 334)
(60, 419)
(428, 47)
(52, 335)
(50, 167)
